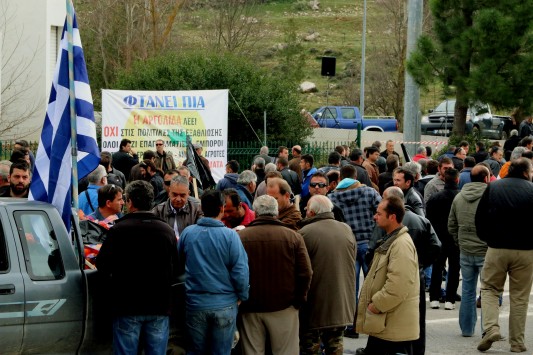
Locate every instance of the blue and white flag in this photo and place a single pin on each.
(52, 175)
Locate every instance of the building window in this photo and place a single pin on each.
(55, 39)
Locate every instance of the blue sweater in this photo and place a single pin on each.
(83, 203)
(216, 265)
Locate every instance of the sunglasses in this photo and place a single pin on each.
(159, 144)
(319, 184)
(167, 182)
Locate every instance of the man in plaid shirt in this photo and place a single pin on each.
(359, 204)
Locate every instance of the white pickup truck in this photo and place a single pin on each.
(479, 119)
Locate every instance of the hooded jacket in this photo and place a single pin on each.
(359, 205)
(228, 181)
(461, 222)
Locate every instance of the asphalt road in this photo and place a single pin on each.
(443, 335)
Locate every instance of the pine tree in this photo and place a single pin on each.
(479, 51)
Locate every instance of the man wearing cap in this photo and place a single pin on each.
(163, 160)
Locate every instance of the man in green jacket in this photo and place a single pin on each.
(462, 227)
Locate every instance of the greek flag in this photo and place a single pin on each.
(52, 175)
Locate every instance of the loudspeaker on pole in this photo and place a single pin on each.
(328, 66)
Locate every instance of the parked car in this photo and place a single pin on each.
(347, 117)
(479, 119)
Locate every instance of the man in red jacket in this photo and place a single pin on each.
(236, 213)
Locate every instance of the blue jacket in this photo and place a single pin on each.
(216, 265)
(306, 181)
(83, 203)
(228, 181)
(245, 196)
(464, 177)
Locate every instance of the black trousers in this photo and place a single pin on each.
(448, 252)
(376, 346)
(419, 345)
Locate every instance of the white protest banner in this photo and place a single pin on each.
(146, 116)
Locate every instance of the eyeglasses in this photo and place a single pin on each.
(319, 184)
(159, 144)
(167, 182)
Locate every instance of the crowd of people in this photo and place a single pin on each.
(271, 257)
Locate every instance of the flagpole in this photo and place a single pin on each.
(73, 120)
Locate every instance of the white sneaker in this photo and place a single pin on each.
(449, 306)
(434, 304)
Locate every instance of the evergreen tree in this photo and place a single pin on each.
(479, 51)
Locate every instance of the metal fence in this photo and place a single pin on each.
(243, 152)
(6, 148)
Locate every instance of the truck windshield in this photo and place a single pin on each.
(442, 106)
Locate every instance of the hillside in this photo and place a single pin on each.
(337, 26)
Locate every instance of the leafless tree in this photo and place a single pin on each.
(233, 25)
(119, 32)
(385, 65)
(16, 81)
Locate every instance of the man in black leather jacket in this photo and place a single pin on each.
(405, 179)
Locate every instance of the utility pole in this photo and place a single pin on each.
(411, 100)
(363, 50)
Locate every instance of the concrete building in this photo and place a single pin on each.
(30, 32)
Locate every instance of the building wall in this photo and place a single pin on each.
(27, 63)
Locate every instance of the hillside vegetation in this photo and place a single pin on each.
(288, 38)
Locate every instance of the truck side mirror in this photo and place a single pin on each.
(430, 110)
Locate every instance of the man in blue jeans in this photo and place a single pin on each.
(461, 225)
(140, 296)
(216, 278)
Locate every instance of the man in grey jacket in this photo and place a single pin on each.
(180, 210)
(330, 302)
(462, 227)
